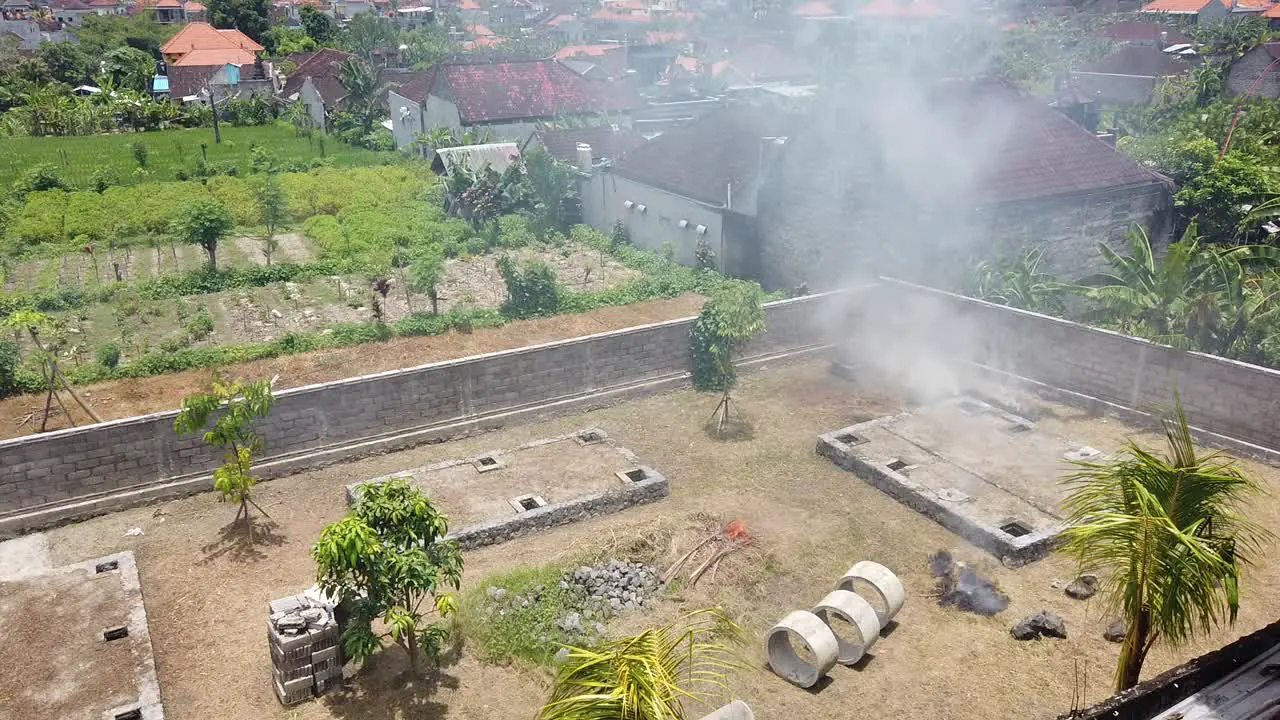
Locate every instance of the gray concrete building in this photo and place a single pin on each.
(919, 184)
(696, 183)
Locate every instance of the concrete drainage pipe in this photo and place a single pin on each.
(880, 582)
(814, 636)
(854, 610)
(736, 710)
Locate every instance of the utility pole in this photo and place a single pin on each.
(213, 104)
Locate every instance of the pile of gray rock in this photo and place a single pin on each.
(303, 633)
(612, 588)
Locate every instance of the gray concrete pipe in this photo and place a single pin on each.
(807, 629)
(736, 710)
(860, 616)
(879, 581)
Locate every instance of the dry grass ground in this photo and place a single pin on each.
(206, 593)
(127, 398)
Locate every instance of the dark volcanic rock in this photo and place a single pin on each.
(1116, 631)
(969, 591)
(1041, 624)
(1083, 587)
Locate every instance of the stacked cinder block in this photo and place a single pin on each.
(306, 658)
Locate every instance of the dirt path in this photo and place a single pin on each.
(126, 398)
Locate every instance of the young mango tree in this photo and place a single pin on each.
(39, 327)
(388, 560)
(1169, 534)
(729, 319)
(232, 406)
(649, 676)
(205, 222)
(273, 207)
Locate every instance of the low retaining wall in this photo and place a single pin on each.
(82, 471)
(653, 488)
(1227, 398)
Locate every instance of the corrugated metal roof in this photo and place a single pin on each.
(498, 156)
(1250, 693)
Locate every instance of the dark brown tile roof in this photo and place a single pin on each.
(1036, 152)
(605, 142)
(1141, 60)
(1134, 31)
(322, 68)
(187, 80)
(528, 90)
(415, 86)
(702, 159)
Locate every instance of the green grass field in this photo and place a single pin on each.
(78, 157)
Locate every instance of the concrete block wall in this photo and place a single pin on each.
(1226, 397)
(123, 455)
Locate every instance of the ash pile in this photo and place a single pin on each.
(306, 658)
(959, 586)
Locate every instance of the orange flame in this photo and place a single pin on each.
(737, 531)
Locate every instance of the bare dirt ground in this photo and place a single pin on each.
(206, 592)
(126, 398)
(74, 672)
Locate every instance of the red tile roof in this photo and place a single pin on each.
(417, 87)
(1272, 12)
(193, 7)
(203, 36)
(1185, 7)
(527, 90)
(703, 158)
(322, 68)
(167, 4)
(1133, 31)
(479, 31)
(469, 5)
(215, 56)
(1139, 60)
(814, 8)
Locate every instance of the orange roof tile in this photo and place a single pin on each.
(194, 7)
(216, 56)
(203, 36)
(167, 4)
(626, 17)
(241, 40)
(1272, 12)
(469, 5)
(588, 50)
(658, 37)
(1182, 7)
(480, 31)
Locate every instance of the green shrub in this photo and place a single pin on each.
(200, 326)
(109, 356)
(9, 361)
(532, 290)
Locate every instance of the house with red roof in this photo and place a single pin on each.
(508, 99)
(565, 28)
(108, 7)
(611, 58)
(315, 83)
(1200, 11)
(170, 11)
(225, 62)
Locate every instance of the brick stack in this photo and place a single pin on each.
(306, 658)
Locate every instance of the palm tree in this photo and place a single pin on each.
(648, 676)
(364, 88)
(1168, 532)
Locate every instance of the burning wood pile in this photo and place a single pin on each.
(705, 557)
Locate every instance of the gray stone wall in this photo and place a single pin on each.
(1225, 397)
(79, 463)
(1244, 72)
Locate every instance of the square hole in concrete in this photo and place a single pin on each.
(486, 463)
(525, 503)
(637, 475)
(849, 438)
(1015, 528)
(130, 714)
(106, 566)
(115, 633)
(896, 465)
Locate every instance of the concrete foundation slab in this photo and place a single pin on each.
(532, 487)
(983, 472)
(23, 556)
(76, 644)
